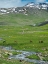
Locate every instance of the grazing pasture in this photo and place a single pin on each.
(16, 31)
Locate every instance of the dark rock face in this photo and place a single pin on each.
(43, 23)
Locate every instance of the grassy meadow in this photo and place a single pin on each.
(17, 32)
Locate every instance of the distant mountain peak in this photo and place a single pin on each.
(30, 6)
(39, 6)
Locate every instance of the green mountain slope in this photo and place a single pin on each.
(33, 16)
(18, 27)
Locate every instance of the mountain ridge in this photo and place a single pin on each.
(31, 5)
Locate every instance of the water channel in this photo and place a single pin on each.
(23, 55)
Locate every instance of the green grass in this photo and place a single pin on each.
(12, 34)
(45, 58)
(15, 29)
(4, 61)
(33, 57)
(16, 53)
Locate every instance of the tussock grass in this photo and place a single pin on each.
(18, 32)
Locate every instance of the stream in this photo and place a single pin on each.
(23, 55)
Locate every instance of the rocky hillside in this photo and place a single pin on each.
(39, 6)
(26, 15)
(27, 8)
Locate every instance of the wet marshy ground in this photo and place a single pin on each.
(22, 55)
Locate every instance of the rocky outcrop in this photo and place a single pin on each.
(43, 23)
(23, 9)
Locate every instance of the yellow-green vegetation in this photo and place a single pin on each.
(15, 31)
(19, 37)
(4, 54)
(33, 57)
(15, 53)
(45, 55)
(45, 58)
(4, 61)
